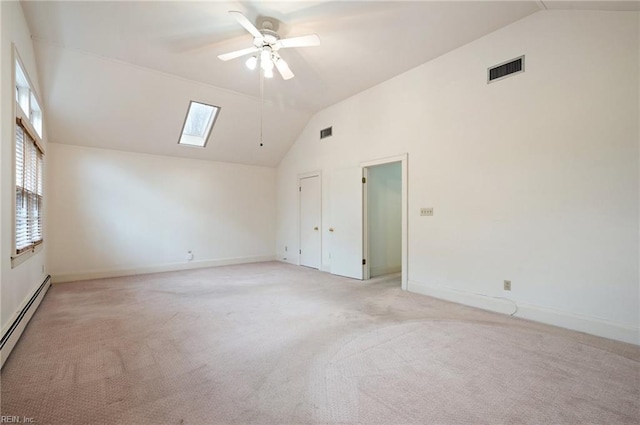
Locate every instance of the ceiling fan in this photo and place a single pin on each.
(266, 44)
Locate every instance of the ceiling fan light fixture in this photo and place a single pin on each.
(265, 55)
(266, 44)
(252, 62)
(267, 65)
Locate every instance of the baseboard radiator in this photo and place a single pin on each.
(12, 334)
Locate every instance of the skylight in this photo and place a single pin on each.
(198, 124)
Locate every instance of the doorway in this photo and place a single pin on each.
(348, 229)
(383, 220)
(384, 246)
(310, 208)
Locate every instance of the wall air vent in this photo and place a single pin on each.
(326, 132)
(505, 69)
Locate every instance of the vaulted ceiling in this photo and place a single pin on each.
(120, 74)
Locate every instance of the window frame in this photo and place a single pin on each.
(21, 118)
(212, 123)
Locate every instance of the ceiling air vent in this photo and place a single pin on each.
(505, 69)
(326, 132)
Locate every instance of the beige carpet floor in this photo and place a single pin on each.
(272, 343)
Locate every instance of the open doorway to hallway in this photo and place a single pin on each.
(349, 222)
(383, 219)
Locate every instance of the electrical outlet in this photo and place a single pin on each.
(189, 255)
(426, 212)
(286, 248)
(507, 285)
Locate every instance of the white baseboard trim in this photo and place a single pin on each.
(158, 268)
(288, 260)
(323, 267)
(381, 271)
(587, 324)
(14, 328)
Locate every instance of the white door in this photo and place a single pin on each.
(346, 222)
(310, 207)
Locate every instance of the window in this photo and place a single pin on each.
(198, 124)
(26, 100)
(22, 90)
(28, 190)
(35, 115)
(28, 165)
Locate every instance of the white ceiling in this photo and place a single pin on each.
(363, 43)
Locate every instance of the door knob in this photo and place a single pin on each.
(331, 229)
(315, 228)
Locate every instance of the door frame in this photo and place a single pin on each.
(404, 163)
(302, 176)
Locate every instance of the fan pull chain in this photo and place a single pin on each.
(261, 103)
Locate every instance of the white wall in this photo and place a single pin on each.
(532, 179)
(16, 284)
(118, 213)
(384, 192)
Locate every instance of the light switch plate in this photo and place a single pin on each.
(426, 212)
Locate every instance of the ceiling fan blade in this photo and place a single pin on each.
(302, 41)
(283, 69)
(237, 53)
(246, 23)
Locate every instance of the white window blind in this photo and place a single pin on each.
(28, 190)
